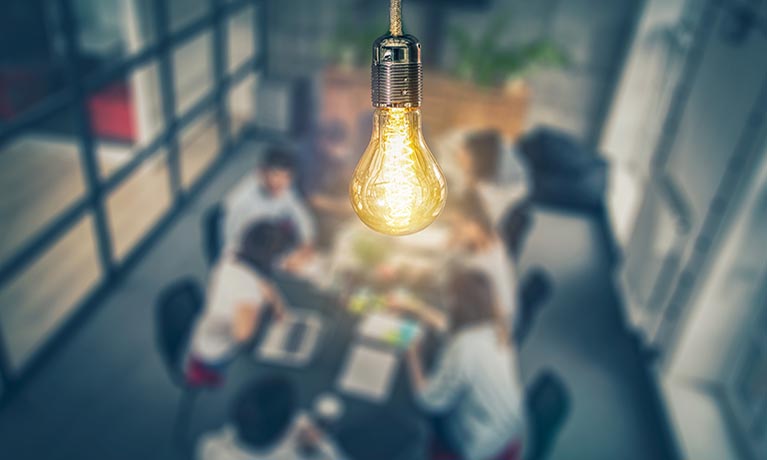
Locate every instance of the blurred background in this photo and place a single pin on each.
(642, 124)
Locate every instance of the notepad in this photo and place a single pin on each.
(368, 373)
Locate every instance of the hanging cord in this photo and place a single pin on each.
(395, 18)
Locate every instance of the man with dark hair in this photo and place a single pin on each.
(266, 425)
(240, 289)
(269, 195)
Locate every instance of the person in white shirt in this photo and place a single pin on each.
(240, 290)
(266, 425)
(495, 171)
(270, 195)
(477, 245)
(476, 386)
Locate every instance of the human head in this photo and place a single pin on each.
(480, 154)
(470, 299)
(262, 243)
(332, 138)
(277, 170)
(263, 411)
(470, 224)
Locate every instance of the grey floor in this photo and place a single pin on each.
(105, 395)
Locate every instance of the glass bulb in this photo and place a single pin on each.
(397, 187)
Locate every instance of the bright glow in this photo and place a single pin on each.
(397, 187)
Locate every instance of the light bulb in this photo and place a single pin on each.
(397, 187)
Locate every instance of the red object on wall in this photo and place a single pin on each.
(111, 113)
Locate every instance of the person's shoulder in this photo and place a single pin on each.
(233, 271)
(219, 445)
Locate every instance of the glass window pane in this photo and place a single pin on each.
(199, 145)
(126, 116)
(240, 38)
(36, 301)
(242, 104)
(185, 12)
(192, 71)
(40, 176)
(137, 203)
(30, 73)
(112, 30)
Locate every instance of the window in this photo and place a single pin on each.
(85, 174)
(34, 302)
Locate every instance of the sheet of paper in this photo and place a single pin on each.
(368, 373)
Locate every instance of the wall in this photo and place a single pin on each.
(593, 32)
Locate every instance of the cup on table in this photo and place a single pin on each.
(328, 408)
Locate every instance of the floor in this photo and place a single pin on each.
(40, 176)
(104, 394)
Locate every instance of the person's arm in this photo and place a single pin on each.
(429, 314)
(246, 319)
(303, 220)
(309, 433)
(330, 204)
(439, 391)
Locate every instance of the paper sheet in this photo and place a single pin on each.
(368, 373)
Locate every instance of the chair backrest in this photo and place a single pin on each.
(212, 232)
(177, 309)
(547, 402)
(536, 288)
(515, 226)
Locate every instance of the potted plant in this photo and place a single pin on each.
(485, 86)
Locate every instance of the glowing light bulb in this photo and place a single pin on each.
(397, 187)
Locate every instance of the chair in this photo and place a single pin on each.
(212, 232)
(566, 173)
(177, 309)
(515, 227)
(547, 402)
(537, 287)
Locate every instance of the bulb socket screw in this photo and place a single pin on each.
(396, 71)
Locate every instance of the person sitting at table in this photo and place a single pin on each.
(269, 195)
(475, 390)
(477, 245)
(240, 290)
(266, 425)
(498, 176)
(326, 170)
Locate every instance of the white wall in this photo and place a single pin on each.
(687, 137)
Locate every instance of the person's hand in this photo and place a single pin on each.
(293, 262)
(385, 273)
(308, 437)
(309, 433)
(276, 302)
(414, 349)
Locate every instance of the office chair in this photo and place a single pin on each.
(177, 309)
(515, 227)
(536, 288)
(212, 232)
(547, 402)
